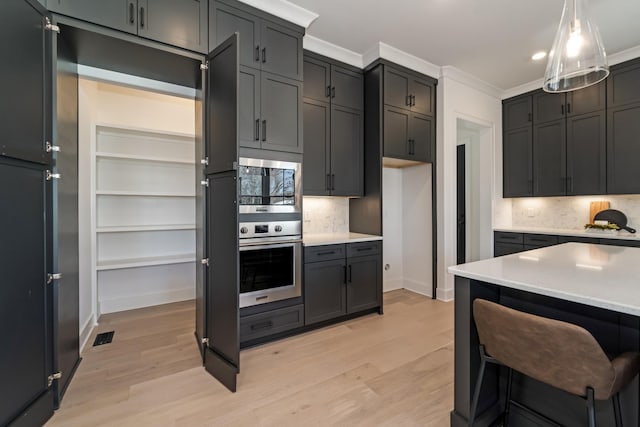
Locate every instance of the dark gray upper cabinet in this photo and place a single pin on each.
(408, 91)
(517, 112)
(421, 136)
(333, 129)
(407, 135)
(623, 150)
(588, 100)
(517, 155)
(266, 42)
(249, 107)
(181, 23)
(548, 107)
(549, 163)
(622, 84)
(587, 154)
(281, 113)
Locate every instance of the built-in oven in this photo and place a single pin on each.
(269, 186)
(270, 261)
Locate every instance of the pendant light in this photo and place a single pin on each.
(577, 58)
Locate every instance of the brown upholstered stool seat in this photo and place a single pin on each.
(557, 353)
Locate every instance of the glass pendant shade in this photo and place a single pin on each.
(577, 58)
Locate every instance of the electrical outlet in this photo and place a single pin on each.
(531, 212)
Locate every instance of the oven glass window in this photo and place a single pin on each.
(262, 269)
(267, 186)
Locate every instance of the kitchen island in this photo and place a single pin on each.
(594, 286)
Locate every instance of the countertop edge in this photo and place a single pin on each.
(569, 232)
(316, 240)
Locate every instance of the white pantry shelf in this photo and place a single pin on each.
(142, 193)
(115, 264)
(133, 228)
(144, 158)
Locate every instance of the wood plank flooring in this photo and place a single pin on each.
(390, 370)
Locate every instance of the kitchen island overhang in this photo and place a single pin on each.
(594, 286)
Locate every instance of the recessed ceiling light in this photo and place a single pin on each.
(539, 55)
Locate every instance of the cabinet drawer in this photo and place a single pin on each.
(506, 237)
(271, 322)
(500, 249)
(540, 240)
(620, 242)
(363, 249)
(566, 239)
(324, 253)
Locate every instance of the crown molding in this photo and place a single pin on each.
(470, 80)
(625, 55)
(285, 10)
(523, 88)
(331, 50)
(390, 53)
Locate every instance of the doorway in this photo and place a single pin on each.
(474, 191)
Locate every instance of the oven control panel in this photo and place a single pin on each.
(253, 230)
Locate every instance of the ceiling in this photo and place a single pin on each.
(490, 39)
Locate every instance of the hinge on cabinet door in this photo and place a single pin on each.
(205, 261)
(205, 341)
(51, 176)
(53, 276)
(204, 66)
(204, 182)
(51, 378)
(51, 27)
(205, 161)
(50, 147)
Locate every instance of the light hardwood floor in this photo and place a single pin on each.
(390, 370)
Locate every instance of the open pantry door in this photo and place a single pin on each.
(221, 294)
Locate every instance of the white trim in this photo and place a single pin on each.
(422, 288)
(407, 60)
(331, 50)
(445, 294)
(470, 80)
(147, 300)
(625, 55)
(86, 330)
(285, 10)
(100, 75)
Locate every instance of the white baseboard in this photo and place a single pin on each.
(86, 330)
(147, 300)
(444, 294)
(392, 285)
(422, 288)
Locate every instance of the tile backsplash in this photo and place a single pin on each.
(569, 212)
(325, 215)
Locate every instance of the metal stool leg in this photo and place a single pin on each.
(616, 409)
(507, 404)
(591, 407)
(476, 393)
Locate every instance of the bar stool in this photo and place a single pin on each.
(556, 353)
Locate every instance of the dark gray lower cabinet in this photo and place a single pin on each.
(500, 249)
(336, 285)
(505, 243)
(271, 322)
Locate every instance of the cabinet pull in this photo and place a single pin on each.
(333, 182)
(413, 100)
(264, 55)
(364, 249)
(257, 130)
(264, 325)
(327, 183)
(350, 271)
(529, 117)
(142, 17)
(257, 53)
(568, 108)
(264, 130)
(326, 253)
(407, 101)
(535, 239)
(333, 91)
(562, 109)
(131, 14)
(327, 92)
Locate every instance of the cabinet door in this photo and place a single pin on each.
(587, 154)
(181, 23)
(517, 162)
(317, 79)
(316, 157)
(588, 100)
(423, 96)
(517, 113)
(396, 136)
(347, 88)
(324, 290)
(117, 14)
(249, 107)
(548, 107)
(347, 150)
(281, 110)
(549, 159)
(364, 283)
(623, 150)
(225, 20)
(396, 88)
(622, 85)
(500, 249)
(421, 133)
(281, 50)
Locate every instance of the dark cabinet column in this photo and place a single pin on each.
(346, 88)
(396, 132)
(623, 150)
(347, 141)
(317, 155)
(587, 154)
(517, 162)
(549, 159)
(225, 20)
(281, 111)
(325, 290)
(249, 126)
(421, 137)
(281, 50)
(364, 283)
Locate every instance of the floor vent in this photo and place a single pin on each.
(104, 338)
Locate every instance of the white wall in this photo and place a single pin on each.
(392, 226)
(103, 103)
(458, 100)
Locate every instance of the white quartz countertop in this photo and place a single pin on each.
(597, 275)
(599, 234)
(337, 238)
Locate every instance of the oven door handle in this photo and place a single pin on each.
(269, 245)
